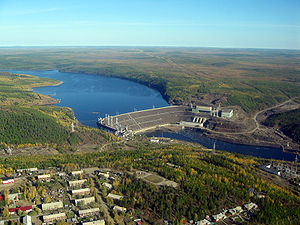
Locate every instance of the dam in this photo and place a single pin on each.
(140, 121)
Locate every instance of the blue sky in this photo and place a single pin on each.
(213, 23)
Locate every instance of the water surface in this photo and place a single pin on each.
(93, 96)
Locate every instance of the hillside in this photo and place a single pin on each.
(287, 122)
(250, 78)
(207, 183)
(24, 121)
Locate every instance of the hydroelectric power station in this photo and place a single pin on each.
(140, 121)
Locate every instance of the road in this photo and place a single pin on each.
(254, 118)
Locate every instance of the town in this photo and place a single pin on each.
(86, 196)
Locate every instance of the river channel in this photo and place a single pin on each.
(93, 96)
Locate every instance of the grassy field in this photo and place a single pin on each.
(252, 79)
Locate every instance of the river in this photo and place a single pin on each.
(93, 96)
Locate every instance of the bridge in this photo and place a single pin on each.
(140, 121)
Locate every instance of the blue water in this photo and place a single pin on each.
(91, 96)
(191, 135)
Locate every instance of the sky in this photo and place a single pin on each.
(202, 23)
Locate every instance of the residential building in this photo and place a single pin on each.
(87, 212)
(96, 222)
(119, 209)
(52, 205)
(81, 191)
(115, 197)
(54, 217)
(85, 200)
(75, 183)
(27, 220)
(108, 185)
(44, 177)
(106, 175)
(76, 173)
(14, 197)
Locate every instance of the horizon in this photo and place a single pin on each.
(142, 46)
(193, 23)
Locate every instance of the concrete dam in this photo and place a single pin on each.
(140, 121)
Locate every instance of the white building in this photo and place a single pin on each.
(97, 222)
(76, 182)
(227, 113)
(203, 222)
(54, 217)
(75, 173)
(87, 212)
(119, 209)
(235, 210)
(81, 191)
(219, 217)
(85, 200)
(107, 185)
(52, 205)
(106, 175)
(27, 220)
(115, 197)
(250, 206)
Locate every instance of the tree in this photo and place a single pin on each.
(6, 193)
(5, 212)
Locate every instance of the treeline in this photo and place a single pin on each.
(287, 122)
(24, 125)
(207, 183)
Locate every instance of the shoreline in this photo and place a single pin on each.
(232, 140)
(172, 128)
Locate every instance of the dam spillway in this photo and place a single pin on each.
(139, 121)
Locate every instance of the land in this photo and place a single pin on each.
(153, 183)
(247, 80)
(157, 183)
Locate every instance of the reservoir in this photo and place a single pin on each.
(93, 96)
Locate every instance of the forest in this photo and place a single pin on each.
(287, 122)
(208, 182)
(250, 78)
(27, 119)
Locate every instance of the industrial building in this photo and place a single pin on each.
(226, 113)
(54, 217)
(75, 183)
(85, 200)
(81, 191)
(87, 212)
(52, 205)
